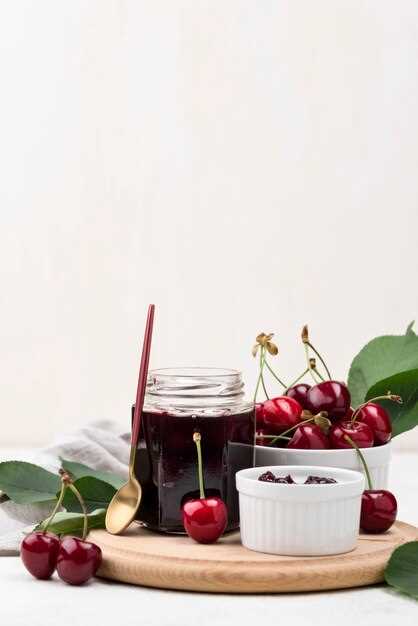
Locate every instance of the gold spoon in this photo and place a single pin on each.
(124, 504)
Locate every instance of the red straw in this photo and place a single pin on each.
(143, 374)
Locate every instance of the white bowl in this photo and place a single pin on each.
(300, 520)
(377, 459)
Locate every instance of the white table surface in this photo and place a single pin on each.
(27, 602)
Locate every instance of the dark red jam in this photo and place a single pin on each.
(166, 463)
(269, 477)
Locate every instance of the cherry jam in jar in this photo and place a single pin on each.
(179, 402)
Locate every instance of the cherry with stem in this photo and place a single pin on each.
(39, 550)
(388, 396)
(204, 518)
(78, 559)
(378, 506)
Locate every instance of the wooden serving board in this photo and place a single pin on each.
(145, 558)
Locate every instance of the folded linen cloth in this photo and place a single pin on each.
(101, 445)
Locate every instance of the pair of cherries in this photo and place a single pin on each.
(204, 518)
(76, 560)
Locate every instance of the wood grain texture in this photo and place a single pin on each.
(144, 558)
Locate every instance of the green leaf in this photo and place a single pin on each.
(402, 570)
(96, 494)
(79, 470)
(72, 523)
(405, 384)
(380, 358)
(26, 483)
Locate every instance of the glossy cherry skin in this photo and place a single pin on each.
(360, 433)
(205, 519)
(309, 437)
(78, 560)
(378, 510)
(39, 553)
(330, 396)
(281, 413)
(299, 393)
(378, 419)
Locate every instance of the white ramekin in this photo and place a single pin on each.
(377, 459)
(300, 520)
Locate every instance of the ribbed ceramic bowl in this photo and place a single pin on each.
(377, 460)
(300, 520)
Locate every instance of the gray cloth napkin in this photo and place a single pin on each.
(101, 445)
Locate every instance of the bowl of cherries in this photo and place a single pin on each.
(316, 424)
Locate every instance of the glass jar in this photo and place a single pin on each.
(179, 402)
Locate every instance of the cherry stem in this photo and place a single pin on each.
(83, 508)
(267, 364)
(388, 396)
(273, 437)
(310, 369)
(262, 362)
(48, 522)
(197, 439)
(308, 343)
(298, 379)
(289, 430)
(319, 374)
(260, 376)
(362, 459)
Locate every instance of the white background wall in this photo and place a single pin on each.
(245, 165)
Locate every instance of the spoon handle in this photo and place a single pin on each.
(142, 378)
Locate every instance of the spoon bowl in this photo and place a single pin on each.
(123, 506)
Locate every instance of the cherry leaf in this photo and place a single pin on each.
(26, 483)
(79, 470)
(402, 569)
(72, 523)
(380, 358)
(96, 494)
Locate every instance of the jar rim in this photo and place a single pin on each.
(192, 372)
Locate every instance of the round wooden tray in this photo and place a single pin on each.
(145, 558)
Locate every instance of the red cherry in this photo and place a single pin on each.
(378, 419)
(281, 413)
(299, 393)
(205, 519)
(39, 552)
(309, 437)
(259, 414)
(378, 510)
(360, 433)
(78, 560)
(330, 396)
